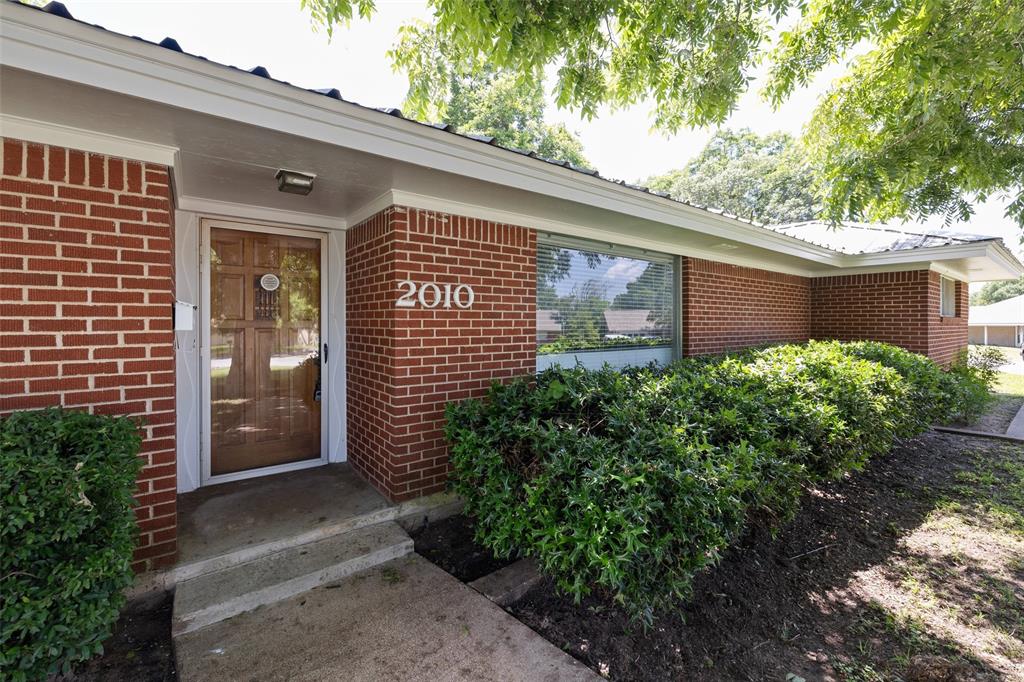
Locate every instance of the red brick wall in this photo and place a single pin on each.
(947, 336)
(86, 284)
(370, 343)
(901, 308)
(405, 364)
(726, 307)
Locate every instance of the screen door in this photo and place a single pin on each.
(264, 350)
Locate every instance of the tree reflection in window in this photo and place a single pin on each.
(589, 300)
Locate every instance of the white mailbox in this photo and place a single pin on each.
(184, 314)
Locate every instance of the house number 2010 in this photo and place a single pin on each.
(430, 295)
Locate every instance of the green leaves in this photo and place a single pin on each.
(629, 483)
(763, 178)
(928, 119)
(66, 535)
(993, 292)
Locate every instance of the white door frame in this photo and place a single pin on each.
(206, 477)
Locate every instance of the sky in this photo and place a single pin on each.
(278, 35)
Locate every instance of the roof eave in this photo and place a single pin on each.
(42, 43)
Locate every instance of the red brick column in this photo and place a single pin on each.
(947, 336)
(86, 286)
(405, 364)
(728, 307)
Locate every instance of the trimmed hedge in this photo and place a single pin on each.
(66, 536)
(630, 482)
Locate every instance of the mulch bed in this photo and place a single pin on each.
(998, 416)
(448, 543)
(783, 605)
(140, 648)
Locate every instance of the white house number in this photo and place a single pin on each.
(431, 295)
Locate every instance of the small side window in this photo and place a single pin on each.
(947, 297)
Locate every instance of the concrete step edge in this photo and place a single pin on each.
(214, 613)
(508, 584)
(422, 505)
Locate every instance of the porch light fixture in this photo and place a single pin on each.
(294, 182)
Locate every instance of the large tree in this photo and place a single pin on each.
(510, 111)
(994, 292)
(929, 118)
(763, 178)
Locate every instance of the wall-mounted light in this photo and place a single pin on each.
(294, 182)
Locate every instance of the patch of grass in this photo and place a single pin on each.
(392, 576)
(1009, 384)
(905, 635)
(995, 488)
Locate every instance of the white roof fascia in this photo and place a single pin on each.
(414, 200)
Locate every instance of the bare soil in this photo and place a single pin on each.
(998, 416)
(449, 543)
(139, 650)
(912, 569)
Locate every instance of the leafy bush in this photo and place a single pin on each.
(66, 536)
(930, 389)
(972, 375)
(631, 482)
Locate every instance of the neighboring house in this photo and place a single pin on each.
(162, 257)
(997, 324)
(548, 327)
(617, 324)
(638, 323)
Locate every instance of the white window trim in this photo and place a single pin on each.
(942, 297)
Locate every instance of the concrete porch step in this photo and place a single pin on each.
(216, 596)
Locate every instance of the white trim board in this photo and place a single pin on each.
(842, 264)
(396, 197)
(43, 132)
(229, 210)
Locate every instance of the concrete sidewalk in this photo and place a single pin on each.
(403, 620)
(1016, 427)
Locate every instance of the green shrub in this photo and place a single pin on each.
(629, 483)
(844, 408)
(971, 376)
(930, 389)
(66, 536)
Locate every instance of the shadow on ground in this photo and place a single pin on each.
(911, 569)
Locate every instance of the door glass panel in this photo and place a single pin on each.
(264, 350)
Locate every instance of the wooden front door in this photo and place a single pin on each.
(264, 350)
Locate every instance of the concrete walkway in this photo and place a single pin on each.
(403, 620)
(1016, 427)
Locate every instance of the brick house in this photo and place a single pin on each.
(159, 259)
